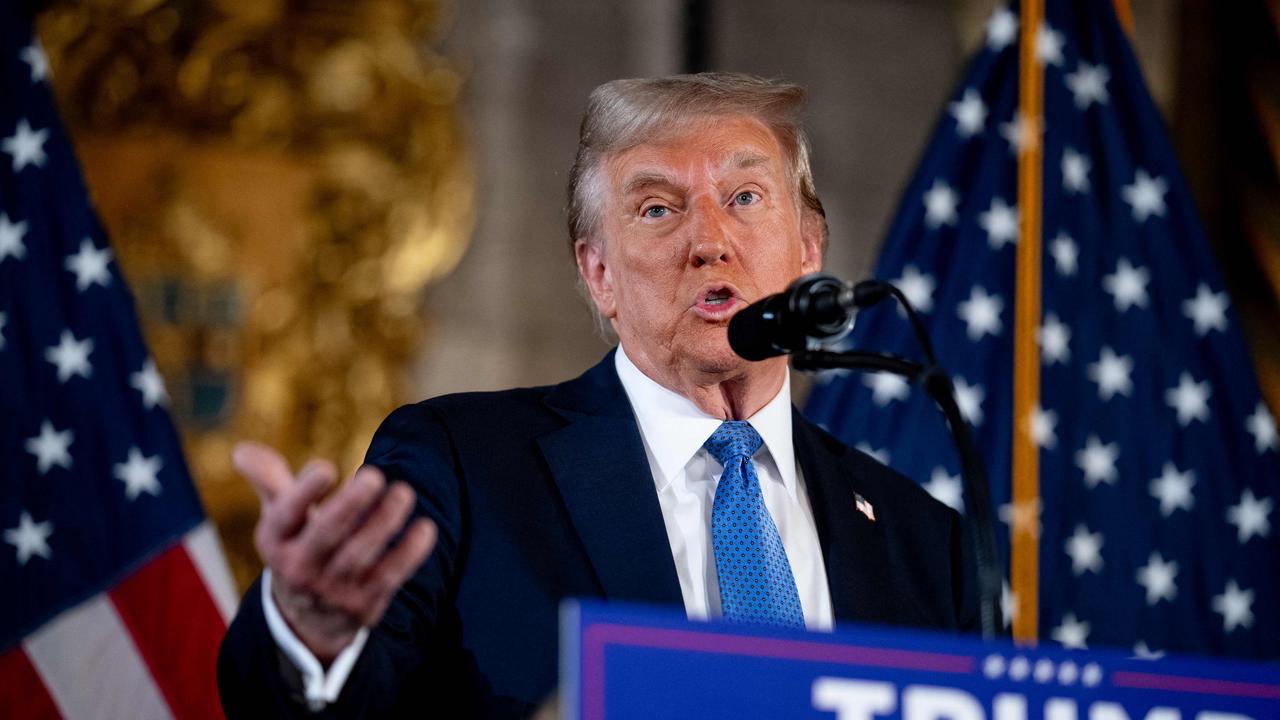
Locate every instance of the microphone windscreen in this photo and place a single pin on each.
(750, 333)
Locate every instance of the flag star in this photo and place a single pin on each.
(1098, 462)
(1251, 516)
(1157, 576)
(981, 312)
(1111, 372)
(1088, 84)
(139, 474)
(1008, 603)
(1260, 425)
(1208, 310)
(1021, 517)
(34, 56)
(1190, 399)
(1043, 424)
(880, 454)
(1075, 171)
(11, 234)
(1022, 133)
(1064, 252)
(1000, 222)
(30, 538)
(946, 489)
(1049, 44)
(1173, 489)
(1128, 285)
(1072, 633)
(1055, 339)
(1085, 550)
(90, 265)
(886, 387)
(1145, 196)
(1143, 652)
(1002, 28)
(51, 447)
(940, 202)
(148, 382)
(71, 356)
(25, 146)
(1235, 606)
(970, 113)
(918, 287)
(969, 399)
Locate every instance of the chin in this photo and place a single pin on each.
(718, 359)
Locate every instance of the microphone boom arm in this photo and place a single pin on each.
(981, 527)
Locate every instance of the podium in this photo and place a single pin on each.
(622, 662)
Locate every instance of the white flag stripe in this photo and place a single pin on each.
(89, 663)
(206, 554)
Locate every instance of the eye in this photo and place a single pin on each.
(746, 197)
(655, 211)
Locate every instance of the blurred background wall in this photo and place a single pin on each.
(328, 209)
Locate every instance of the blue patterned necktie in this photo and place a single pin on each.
(756, 584)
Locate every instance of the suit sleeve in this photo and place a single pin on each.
(406, 660)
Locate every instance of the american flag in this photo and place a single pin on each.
(114, 593)
(1159, 463)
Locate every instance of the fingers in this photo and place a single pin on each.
(334, 520)
(359, 552)
(266, 470)
(285, 516)
(396, 567)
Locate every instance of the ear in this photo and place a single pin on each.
(595, 274)
(813, 241)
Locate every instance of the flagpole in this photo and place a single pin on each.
(1124, 13)
(1025, 522)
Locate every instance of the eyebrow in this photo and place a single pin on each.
(741, 160)
(644, 180)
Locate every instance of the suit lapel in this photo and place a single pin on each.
(853, 546)
(599, 464)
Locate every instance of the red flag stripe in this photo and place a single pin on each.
(22, 692)
(177, 628)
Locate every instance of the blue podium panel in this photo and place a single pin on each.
(620, 662)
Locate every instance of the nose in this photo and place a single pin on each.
(710, 237)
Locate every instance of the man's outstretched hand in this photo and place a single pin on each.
(332, 572)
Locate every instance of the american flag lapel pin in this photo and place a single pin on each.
(864, 507)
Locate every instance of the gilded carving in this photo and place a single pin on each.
(280, 180)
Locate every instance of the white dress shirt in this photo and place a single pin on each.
(685, 477)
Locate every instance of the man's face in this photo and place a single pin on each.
(695, 228)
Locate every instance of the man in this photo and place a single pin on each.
(690, 198)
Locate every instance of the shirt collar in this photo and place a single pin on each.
(674, 428)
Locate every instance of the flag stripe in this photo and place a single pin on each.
(176, 627)
(68, 652)
(23, 694)
(206, 553)
(1025, 569)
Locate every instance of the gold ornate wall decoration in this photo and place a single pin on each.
(280, 179)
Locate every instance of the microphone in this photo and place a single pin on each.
(815, 307)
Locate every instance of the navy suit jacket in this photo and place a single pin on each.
(542, 494)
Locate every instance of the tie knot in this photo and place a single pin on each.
(734, 439)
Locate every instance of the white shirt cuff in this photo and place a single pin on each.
(318, 687)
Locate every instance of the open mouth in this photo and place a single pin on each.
(718, 297)
(717, 301)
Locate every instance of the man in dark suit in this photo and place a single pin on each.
(672, 472)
